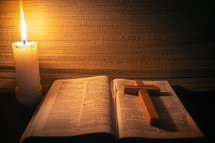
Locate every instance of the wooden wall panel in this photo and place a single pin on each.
(119, 38)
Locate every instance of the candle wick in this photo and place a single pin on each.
(24, 41)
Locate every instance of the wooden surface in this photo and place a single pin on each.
(158, 40)
(147, 104)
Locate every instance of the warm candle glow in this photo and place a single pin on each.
(28, 89)
(23, 26)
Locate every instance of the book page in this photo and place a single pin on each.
(174, 120)
(74, 107)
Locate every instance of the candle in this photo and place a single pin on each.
(28, 90)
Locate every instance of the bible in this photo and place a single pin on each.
(96, 109)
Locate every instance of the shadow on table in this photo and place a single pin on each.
(200, 106)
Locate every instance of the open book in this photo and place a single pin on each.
(95, 109)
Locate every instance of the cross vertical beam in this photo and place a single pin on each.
(148, 106)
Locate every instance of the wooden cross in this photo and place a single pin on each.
(142, 91)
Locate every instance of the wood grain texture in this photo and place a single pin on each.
(134, 89)
(147, 104)
(171, 40)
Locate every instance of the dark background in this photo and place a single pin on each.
(151, 40)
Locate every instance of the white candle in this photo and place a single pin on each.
(28, 90)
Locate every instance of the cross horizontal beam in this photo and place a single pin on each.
(134, 89)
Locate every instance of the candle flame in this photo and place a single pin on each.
(23, 26)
